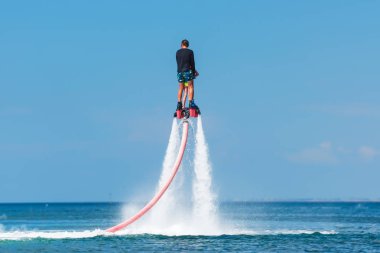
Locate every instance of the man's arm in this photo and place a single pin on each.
(192, 62)
(176, 58)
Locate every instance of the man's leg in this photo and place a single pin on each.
(191, 90)
(180, 90)
(191, 95)
(184, 97)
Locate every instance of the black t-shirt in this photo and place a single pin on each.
(185, 60)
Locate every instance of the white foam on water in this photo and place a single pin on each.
(50, 234)
(20, 235)
(281, 232)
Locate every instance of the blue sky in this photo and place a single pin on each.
(289, 92)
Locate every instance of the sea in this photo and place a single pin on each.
(244, 227)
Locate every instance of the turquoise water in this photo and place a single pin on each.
(253, 227)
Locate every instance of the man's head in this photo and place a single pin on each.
(185, 43)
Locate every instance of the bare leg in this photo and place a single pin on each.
(184, 97)
(191, 90)
(180, 89)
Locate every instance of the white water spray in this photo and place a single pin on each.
(189, 205)
(204, 200)
(158, 216)
(170, 155)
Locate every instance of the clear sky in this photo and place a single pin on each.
(289, 92)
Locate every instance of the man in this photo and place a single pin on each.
(186, 73)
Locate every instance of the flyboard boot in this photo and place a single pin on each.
(186, 112)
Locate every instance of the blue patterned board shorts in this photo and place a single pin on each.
(184, 77)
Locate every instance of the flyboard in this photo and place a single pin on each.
(183, 114)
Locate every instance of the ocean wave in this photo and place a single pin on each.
(50, 234)
(22, 235)
(294, 232)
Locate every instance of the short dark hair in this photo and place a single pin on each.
(185, 43)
